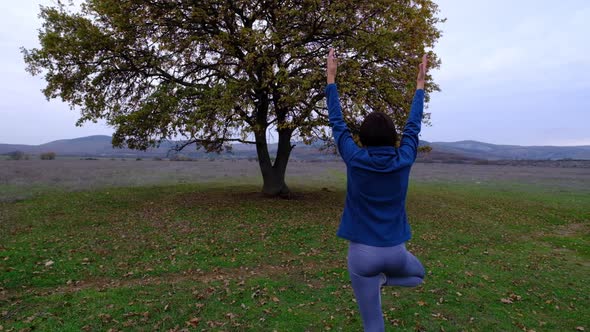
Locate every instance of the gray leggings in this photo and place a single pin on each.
(372, 267)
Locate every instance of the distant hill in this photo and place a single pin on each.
(479, 150)
(89, 146)
(100, 146)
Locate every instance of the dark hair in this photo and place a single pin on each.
(378, 130)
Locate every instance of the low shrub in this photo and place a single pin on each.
(47, 156)
(18, 155)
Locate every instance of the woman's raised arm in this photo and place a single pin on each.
(409, 144)
(346, 145)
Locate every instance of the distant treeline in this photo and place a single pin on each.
(20, 155)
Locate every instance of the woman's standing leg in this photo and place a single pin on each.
(364, 271)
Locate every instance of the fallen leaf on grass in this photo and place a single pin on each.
(580, 328)
(439, 315)
(506, 300)
(49, 263)
(105, 317)
(211, 323)
(193, 322)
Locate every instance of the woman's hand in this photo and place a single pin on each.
(332, 64)
(422, 72)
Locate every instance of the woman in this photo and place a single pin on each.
(374, 218)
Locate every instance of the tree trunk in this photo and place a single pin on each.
(273, 175)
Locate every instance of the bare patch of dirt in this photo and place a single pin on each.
(21, 179)
(573, 229)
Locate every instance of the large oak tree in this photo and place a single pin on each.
(220, 71)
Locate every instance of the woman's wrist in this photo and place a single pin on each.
(420, 85)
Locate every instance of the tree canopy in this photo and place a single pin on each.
(219, 71)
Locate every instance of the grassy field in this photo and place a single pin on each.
(217, 257)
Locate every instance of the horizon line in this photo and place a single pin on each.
(273, 142)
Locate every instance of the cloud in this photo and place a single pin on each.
(512, 72)
(501, 58)
(580, 18)
(512, 45)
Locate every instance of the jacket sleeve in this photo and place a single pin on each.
(409, 144)
(346, 145)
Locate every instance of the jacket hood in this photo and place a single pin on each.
(382, 157)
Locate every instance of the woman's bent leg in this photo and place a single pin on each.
(410, 275)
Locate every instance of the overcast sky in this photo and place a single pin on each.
(513, 72)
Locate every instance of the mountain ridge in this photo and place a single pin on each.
(100, 146)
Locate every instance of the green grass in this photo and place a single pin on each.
(153, 258)
(12, 192)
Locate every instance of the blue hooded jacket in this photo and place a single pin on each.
(377, 179)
